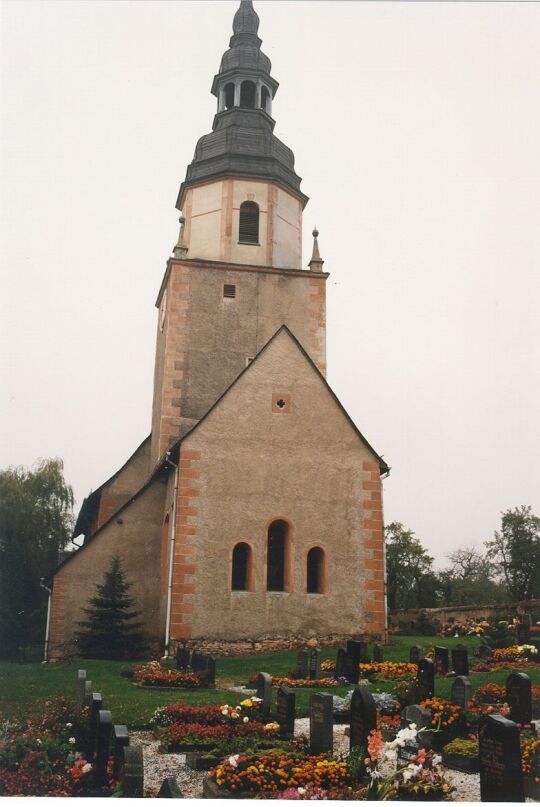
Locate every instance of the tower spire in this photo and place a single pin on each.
(316, 262)
(246, 19)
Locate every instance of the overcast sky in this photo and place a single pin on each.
(416, 130)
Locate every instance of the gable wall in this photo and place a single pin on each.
(245, 466)
(128, 481)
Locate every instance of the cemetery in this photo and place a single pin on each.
(362, 722)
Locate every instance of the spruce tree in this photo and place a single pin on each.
(109, 631)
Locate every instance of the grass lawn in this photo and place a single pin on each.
(25, 686)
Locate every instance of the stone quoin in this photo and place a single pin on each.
(252, 512)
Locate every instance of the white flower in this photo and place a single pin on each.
(69, 725)
(391, 754)
(405, 735)
(86, 768)
(410, 771)
(436, 759)
(224, 712)
(301, 791)
(256, 700)
(233, 761)
(72, 740)
(375, 774)
(38, 741)
(246, 720)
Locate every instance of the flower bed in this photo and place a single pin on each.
(193, 736)
(275, 773)
(154, 674)
(462, 755)
(206, 715)
(303, 683)
(328, 666)
(388, 670)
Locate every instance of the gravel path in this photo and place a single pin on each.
(157, 766)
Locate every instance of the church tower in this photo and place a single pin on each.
(236, 273)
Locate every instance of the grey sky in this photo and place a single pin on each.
(417, 133)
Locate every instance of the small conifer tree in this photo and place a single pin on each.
(109, 631)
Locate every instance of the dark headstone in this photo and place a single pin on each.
(198, 661)
(410, 749)
(416, 654)
(527, 620)
(81, 688)
(169, 789)
(314, 664)
(358, 651)
(120, 741)
(501, 777)
(363, 717)
(441, 660)
(103, 746)
(378, 653)
(182, 657)
(416, 715)
(341, 663)
(302, 665)
(460, 660)
(95, 706)
(321, 723)
(264, 692)
(518, 697)
(523, 633)
(133, 772)
(286, 710)
(484, 651)
(461, 691)
(209, 672)
(426, 676)
(87, 693)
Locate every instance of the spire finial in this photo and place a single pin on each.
(316, 262)
(246, 19)
(180, 249)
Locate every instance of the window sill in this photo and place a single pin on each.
(249, 243)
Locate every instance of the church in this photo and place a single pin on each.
(251, 515)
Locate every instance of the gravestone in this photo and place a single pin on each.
(363, 717)
(501, 777)
(426, 676)
(198, 661)
(460, 660)
(204, 667)
(410, 749)
(484, 651)
(169, 789)
(81, 688)
(104, 733)
(441, 660)
(321, 723)
(523, 633)
(461, 691)
(209, 673)
(87, 693)
(264, 692)
(182, 657)
(416, 654)
(302, 664)
(314, 664)
(519, 698)
(358, 651)
(120, 741)
(378, 653)
(341, 663)
(415, 714)
(95, 706)
(286, 709)
(133, 772)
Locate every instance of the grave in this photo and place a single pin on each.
(415, 714)
(410, 749)
(104, 733)
(169, 789)
(416, 654)
(523, 633)
(286, 710)
(519, 698)
(314, 664)
(87, 693)
(341, 663)
(182, 657)
(441, 660)
(321, 724)
(460, 660)
(95, 706)
(461, 691)
(426, 676)
(264, 692)
(302, 664)
(378, 653)
(484, 651)
(81, 688)
(120, 741)
(501, 777)
(363, 717)
(133, 772)
(358, 651)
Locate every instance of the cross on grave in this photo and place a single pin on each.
(314, 664)
(519, 697)
(302, 664)
(286, 710)
(441, 660)
(416, 654)
(501, 777)
(461, 691)
(363, 717)
(133, 772)
(426, 676)
(103, 745)
(120, 741)
(378, 653)
(321, 723)
(81, 688)
(460, 660)
(95, 707)
(264, 692)
(169, 789)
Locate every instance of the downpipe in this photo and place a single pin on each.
(171, 558)
(47, 628)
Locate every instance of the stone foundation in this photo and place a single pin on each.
(277, 643)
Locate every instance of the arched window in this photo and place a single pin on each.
(229, 95)
(247, 94)
(241, 568)
(277, 559)
(265, 96)
(315, 571)
(249, 223)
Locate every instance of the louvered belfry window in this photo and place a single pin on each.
(249, 223)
